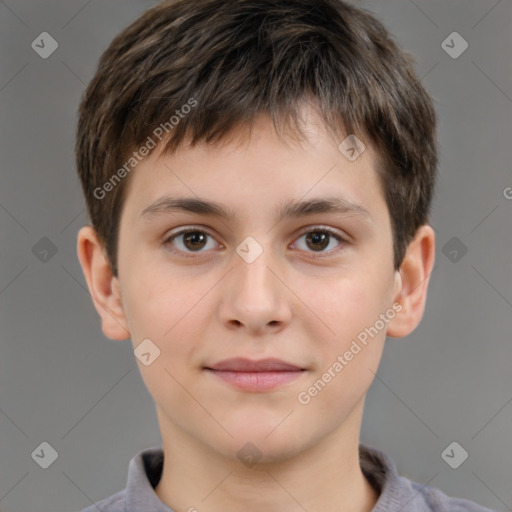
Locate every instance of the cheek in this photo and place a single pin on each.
(157, 303)
(353, 310)
(346, 360)
(166, 312)
(348, 306)
(172, 312)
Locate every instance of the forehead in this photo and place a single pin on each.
(259, 171)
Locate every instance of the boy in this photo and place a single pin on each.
(259, 177)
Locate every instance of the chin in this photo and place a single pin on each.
(258, 444)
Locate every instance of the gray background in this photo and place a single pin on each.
(63, 382)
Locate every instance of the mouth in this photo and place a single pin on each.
(255, 376)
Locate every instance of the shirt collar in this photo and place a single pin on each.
(395, 492)
(144, 472)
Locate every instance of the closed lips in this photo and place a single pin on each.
(247, 365)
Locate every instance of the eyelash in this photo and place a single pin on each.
(315, 229)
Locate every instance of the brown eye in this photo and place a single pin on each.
(321, 241)
(194, 240)
(318, 240)
(189, 241)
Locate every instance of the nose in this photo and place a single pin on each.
(254, 298)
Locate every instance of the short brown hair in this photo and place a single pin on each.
(231, 60)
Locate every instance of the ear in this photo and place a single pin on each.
(412, 283)
(103, 285)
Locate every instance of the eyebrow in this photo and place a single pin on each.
(340, 205)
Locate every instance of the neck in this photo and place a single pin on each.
(326, 477)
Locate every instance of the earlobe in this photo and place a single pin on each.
(103, 285)
(411, 282)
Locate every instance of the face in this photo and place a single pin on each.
(300, 287)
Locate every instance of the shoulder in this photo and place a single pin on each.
(144, 472)
(399, 494)
(114, 503)
(431, 499)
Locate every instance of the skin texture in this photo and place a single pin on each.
(202, 307)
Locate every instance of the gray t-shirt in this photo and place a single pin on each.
(396, 493)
